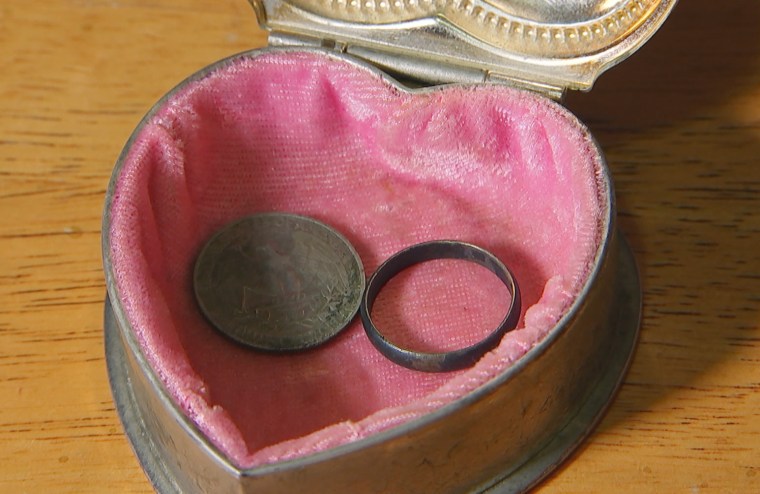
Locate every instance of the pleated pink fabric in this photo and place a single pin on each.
(305, 133)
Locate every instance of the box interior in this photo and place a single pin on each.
(313, 134)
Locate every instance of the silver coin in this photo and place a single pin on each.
(279, 282)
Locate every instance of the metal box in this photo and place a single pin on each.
(511, 431)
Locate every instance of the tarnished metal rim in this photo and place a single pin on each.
(119, 323)
(126, 406)
(516, 479)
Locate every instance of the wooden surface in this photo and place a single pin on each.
(680, 123)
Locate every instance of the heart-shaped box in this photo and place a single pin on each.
(326, 134)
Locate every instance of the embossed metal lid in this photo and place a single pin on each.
(547, 45)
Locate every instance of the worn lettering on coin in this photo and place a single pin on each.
(278, 281)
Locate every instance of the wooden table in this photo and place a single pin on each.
(680, 123)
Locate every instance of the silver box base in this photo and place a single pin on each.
(515, 478)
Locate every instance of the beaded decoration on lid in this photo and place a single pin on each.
(554, 42)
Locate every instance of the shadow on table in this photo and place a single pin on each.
(677, 104)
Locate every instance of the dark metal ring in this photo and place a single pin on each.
(427, 251)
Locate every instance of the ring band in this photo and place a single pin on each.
(428, 251)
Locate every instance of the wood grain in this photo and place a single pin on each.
(680, 123)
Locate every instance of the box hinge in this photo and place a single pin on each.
(553, 92)
(412, 69)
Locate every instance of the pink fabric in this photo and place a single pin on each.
(305, 133)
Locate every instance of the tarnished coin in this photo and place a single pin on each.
(279, 282)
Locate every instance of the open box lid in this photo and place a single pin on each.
(544, 45)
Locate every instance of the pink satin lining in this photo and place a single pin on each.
(306, 133)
